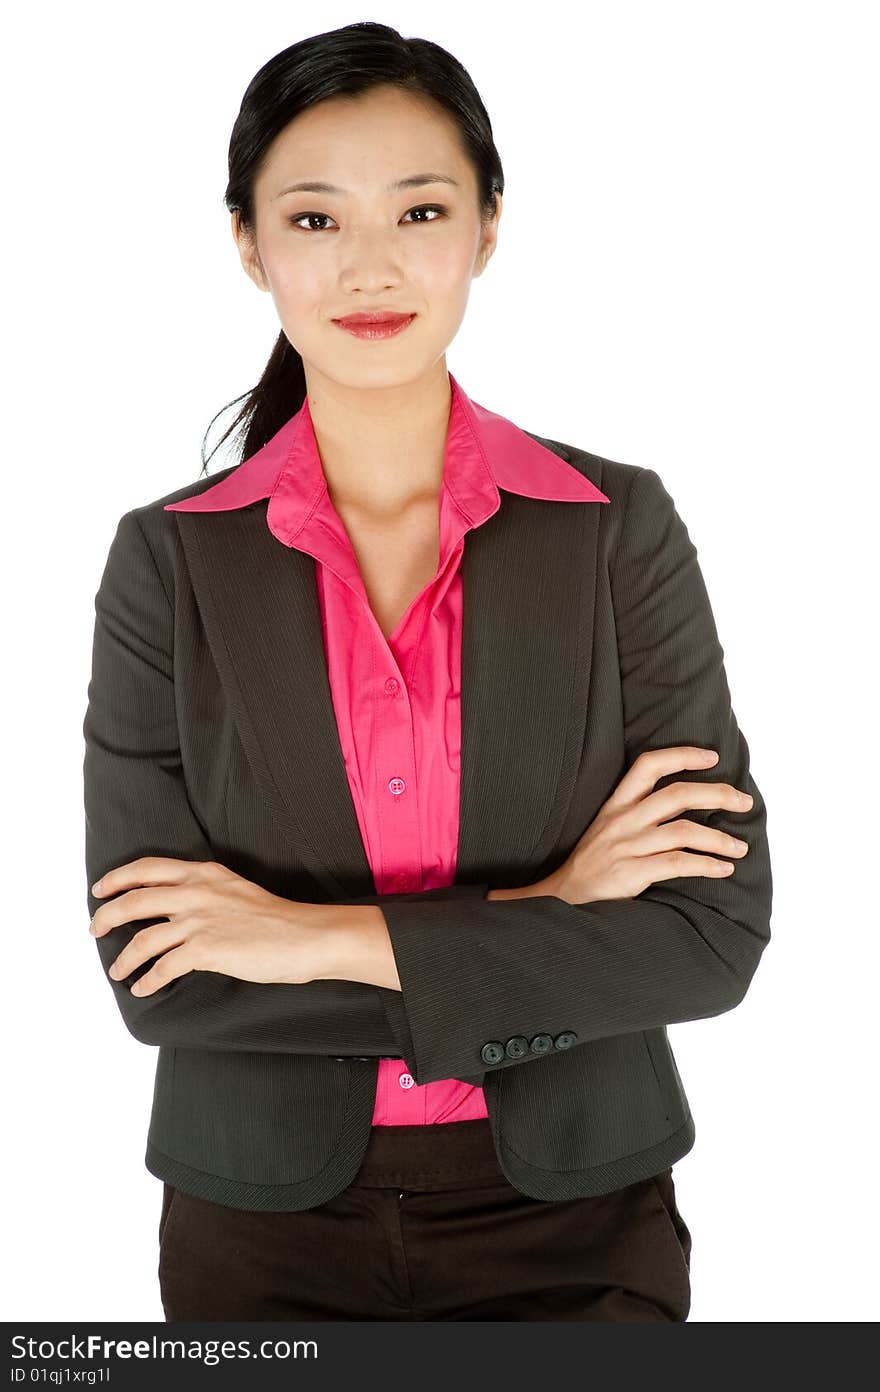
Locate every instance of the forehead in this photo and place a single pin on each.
(364, 141)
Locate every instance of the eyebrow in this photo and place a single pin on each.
(414, 181)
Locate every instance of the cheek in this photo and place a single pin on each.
(291, 278)
(445, 269)
(298, 293)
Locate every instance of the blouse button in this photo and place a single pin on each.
(396, 786)
(392, 686)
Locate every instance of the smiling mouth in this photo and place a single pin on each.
(378, 316)
(374, 325)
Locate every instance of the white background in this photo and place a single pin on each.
(686, 279)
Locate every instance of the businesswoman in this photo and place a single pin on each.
(416, 808)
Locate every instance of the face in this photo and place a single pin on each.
(370, 246)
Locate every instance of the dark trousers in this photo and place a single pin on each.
(430, 1229)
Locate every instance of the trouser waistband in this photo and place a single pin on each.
(452, 1154)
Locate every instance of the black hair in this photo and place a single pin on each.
(344, 61)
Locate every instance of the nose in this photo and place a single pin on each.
(369, 266)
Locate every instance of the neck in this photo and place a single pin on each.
(382, 449)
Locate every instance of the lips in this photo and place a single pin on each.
(374, 325)
(353, 320)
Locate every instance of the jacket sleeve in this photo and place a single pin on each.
(136, 804)
(501, 972)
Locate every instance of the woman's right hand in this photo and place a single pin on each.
(631, 843)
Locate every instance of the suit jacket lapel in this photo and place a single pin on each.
(528, 576)
(529, 588)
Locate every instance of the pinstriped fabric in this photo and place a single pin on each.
(587, 637)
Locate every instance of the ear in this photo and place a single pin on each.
(248, 253)
(489, 238)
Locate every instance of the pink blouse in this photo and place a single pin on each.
(398, 701)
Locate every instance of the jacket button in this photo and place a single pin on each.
(565, 1040)
(541, 1043)
(492, 1052)
(517, 1046)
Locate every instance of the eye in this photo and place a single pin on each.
(422, 208)
(427, 208)
(300, 217)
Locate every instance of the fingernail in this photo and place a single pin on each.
(96, 887)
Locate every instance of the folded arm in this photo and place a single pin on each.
(136, 804)
(473, 971)
(482, 973)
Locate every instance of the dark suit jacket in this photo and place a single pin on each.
(210, 735)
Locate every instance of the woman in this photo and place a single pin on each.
(405, 646)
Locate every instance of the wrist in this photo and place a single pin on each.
(352, 943)
(548, 885)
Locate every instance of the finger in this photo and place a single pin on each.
(677, 864)
(146, 870)
(653, 764)
(685, 832)
(159, 901)
(680, 796)
(174, 964)
(144, 946)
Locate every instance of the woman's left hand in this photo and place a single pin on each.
(217, 921)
